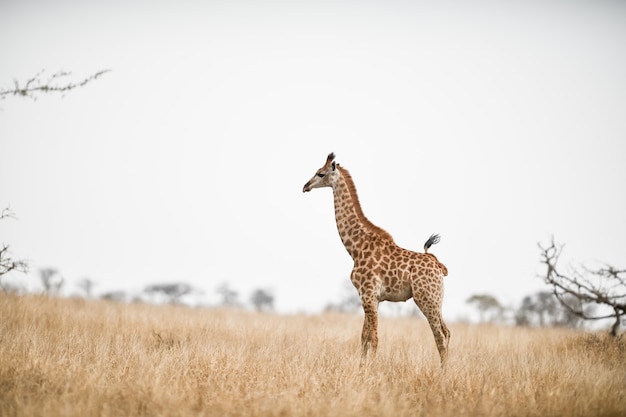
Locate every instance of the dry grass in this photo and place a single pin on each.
(62, 357)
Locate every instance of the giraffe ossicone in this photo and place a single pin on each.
(382, 270)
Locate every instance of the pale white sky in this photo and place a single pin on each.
(495, 124)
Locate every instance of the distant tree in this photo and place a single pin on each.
(172, 292)
(51, 280)
(38, 84)
(7, 263)
(262, 300)
(591, 294)
(531, 310)
(487, 305)
(350, 301)
(86, 285)
(117, 296)
(229, 296)
(544, 309)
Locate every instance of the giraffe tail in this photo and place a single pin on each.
(432, 240)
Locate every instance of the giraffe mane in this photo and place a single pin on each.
(357, 205)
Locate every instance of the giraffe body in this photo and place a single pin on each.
(382, 270)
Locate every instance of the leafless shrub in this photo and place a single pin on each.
(584, 289)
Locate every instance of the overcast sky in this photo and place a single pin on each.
(495, 124)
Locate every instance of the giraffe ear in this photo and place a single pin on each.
(334, 165)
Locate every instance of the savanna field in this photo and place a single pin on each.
(74, 357)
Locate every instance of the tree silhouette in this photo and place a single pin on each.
(229, 296)
(86, 285)
(172, 292)
(583, 289)
(544, 309)
(488, 306)
(262, 300)
(51, 280)
(117, 296)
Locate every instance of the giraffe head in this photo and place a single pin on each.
(325, 176)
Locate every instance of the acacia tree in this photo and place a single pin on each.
(56, 83)
(583, 289)
(172, 292)
(262, 300)
(489, 307)
(86, 285)
(51, 280)
(230, 297)
(544, 309)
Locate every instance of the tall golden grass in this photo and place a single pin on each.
(64, 357)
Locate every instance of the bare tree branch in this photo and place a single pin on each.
(7, 263)
(7, 213)
(52, 84)
(605, 287)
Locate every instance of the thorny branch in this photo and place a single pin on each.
(7, 213)
(8, 264)
(37, 85)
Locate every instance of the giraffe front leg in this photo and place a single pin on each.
(369, 336)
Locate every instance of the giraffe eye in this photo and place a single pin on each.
(320, 175)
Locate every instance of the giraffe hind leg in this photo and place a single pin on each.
(444, 330)
(441, 333)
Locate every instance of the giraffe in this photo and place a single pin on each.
(382, 270)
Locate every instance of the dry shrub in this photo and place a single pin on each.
(61, 357)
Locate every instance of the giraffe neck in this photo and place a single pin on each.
(354, 228)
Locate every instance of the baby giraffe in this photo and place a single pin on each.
(383, 271)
